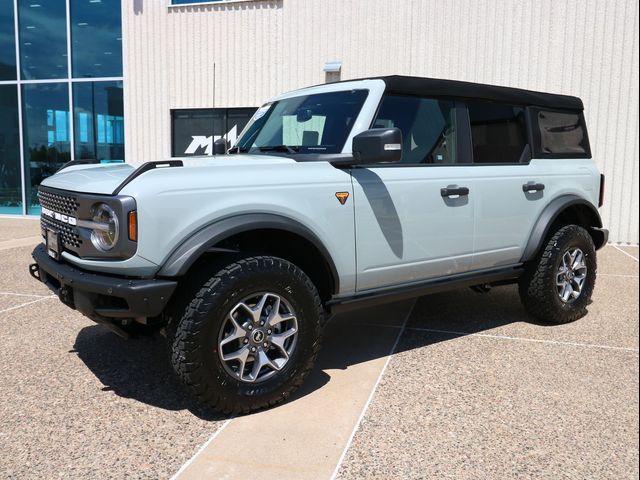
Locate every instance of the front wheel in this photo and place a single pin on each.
(557, 287)
(249, 336)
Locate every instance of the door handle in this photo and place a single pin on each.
(532, 187)
(454, 191)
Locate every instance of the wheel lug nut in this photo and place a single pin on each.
(268, 332)
(265, 344)
(261, 324)
(253, 349)
(246, 340)
(250, 327)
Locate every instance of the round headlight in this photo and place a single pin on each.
(105, 229)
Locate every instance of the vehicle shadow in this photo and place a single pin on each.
(137, 368)
(140, 368)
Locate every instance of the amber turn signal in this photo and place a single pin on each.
(133, 226)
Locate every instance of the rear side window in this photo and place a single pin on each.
(428, 128)
(561, 133)
(498, 133)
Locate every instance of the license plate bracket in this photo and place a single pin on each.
(53, 244)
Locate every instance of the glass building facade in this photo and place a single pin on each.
(61, 94)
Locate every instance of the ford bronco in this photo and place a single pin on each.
(334, 197)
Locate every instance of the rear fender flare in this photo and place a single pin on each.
(551, 213)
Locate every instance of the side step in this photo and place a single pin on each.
(371, 298)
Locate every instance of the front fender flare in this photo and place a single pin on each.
(202, 241)
(551, 213)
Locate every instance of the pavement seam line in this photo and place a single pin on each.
(524, 339)
(373, 391)
(626, 253)
(201, 449)
(25, 304)
(24, 294)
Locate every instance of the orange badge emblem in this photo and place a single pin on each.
(342, 197)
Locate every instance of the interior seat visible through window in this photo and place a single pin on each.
(498, 132)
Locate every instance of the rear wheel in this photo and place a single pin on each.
(249, 336)
(557, 287)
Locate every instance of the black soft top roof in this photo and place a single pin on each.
(406, 85)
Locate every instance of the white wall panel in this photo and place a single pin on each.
(587, 48)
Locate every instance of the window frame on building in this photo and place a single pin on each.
(65, 81)
(224, 111)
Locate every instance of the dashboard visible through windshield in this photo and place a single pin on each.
(318, 123)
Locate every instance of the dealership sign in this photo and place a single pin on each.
(194, 131)
(206, 143)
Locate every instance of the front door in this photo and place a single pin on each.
(415, 219)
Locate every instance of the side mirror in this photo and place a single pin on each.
(378, 145)
(220, 147)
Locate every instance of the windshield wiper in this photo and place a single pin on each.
(279, 148)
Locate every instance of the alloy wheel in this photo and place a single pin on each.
(258, 337)
(571, 275)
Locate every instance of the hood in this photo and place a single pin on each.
(101, 179)
(104, 179)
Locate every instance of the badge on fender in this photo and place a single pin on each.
(342, 197)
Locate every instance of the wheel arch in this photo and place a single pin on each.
(564, 210)
(227, 235)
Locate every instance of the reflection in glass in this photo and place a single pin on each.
(43, 39)
(98, 120)
(7, 42)
(96, 34)
(45, 111)
(10, 194)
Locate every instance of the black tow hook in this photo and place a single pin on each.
(66, 296)
(34, 270)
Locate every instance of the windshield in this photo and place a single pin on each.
(317, 123)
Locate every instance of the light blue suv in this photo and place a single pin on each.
(334, 197)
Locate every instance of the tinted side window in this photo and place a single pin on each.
(428, 128)
(562, 132)
(498, 132)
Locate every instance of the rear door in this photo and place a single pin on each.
(511, 191)
(512, 188)
(407, 227)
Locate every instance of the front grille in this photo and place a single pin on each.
(68, 235)
(61, 203)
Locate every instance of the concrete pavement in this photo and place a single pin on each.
(473, 389)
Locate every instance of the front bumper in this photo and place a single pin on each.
(98, 296)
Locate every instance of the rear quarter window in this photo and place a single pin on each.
(560, 134)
